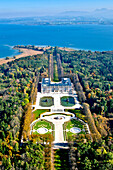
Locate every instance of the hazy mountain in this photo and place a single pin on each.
(104, 12)
(73, 13)
(99, 16)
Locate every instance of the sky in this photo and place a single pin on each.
(10, 8)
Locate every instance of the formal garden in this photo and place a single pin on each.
(72, 127)
(57, 114)
(67, 101)
(78, 113)
(42, 127)
(46, 101)
(38, 112)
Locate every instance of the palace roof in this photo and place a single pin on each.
(63, 82)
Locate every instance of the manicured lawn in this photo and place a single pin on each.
(59, 114)
(78, 113)
(42, 123)
(75, 111)
(36, 133)
(73, 123)
(55, 73)
(38, 112)
(46, 101)
(67, 101)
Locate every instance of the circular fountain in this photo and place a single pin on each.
(42, 130)
(59, 117)
(75, 130)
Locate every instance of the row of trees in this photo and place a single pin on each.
(59, 66)
(50, 66)
(91, 123)
(79, 89)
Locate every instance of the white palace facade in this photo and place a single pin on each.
(64, 86)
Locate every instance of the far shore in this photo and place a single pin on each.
(24, 53)
(66, 49)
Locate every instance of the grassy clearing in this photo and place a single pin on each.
(46, 101)
(38, 112)
(67, 101)
(55, 74)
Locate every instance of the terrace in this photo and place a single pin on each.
(50, 114)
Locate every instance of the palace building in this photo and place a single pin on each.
(64, 86)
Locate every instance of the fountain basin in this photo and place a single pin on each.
(42, 130)
(75, 130)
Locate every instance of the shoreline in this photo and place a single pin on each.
(23, 53)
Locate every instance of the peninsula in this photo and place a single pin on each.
(56, 109)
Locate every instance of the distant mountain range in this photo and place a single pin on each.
(99, 16)
(104, 12)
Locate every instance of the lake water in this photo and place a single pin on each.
(87, 37)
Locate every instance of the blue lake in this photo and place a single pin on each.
(87, 37)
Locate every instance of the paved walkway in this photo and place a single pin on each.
(59, 137)
(57, 101)
(59, 119)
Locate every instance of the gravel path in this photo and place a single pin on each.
(59, 137)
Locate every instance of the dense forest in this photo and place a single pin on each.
(95, 72)
(18, 89)
(92, 76)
